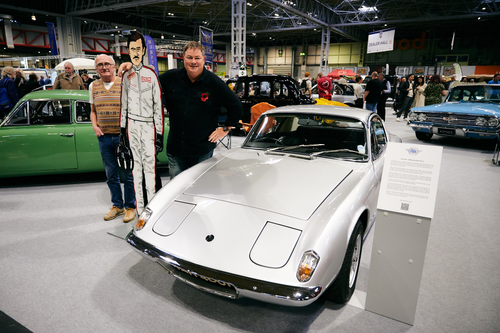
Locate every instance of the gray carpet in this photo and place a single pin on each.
(62, 272)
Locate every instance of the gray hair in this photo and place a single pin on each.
(102, 54)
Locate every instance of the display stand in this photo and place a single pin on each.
(405, 209)
(397, 261)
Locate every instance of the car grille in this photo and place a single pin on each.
(451, 119)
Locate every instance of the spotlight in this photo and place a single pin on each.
(33, 17)
(162, 37)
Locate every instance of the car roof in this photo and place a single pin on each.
(57, 94)
(343, 111)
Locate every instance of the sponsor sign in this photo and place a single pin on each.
(381, 41)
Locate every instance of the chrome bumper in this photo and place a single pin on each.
(459, 131)
(224, 284)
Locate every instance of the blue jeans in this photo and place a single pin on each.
(178, 164)
(107, 146)
(371, 106)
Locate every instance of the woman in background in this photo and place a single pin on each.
(419, 99)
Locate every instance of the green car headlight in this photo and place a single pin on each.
(307, 266)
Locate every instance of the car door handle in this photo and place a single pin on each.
(67, 134)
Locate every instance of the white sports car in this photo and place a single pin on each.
(280, 219)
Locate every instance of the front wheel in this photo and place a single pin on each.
(423, 136)
(341, 290)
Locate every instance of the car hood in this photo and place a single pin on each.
(287, 185)
(462, 107)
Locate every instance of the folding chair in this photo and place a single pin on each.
(256, 111)
(225, 141)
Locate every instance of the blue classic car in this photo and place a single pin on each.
(470, 111)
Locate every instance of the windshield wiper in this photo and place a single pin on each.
(293, 147)
(337, 151)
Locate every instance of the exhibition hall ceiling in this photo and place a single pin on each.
(269, 22)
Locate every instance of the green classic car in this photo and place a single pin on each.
(50, 132)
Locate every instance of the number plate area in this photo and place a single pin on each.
(201, 282)
(446, 131)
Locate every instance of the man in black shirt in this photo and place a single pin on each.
(372, 93)
(194, 97)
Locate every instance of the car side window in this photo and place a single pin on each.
(50, 112)
(83, 110)
(239, 90)
(378, 136)
(20, 117)
(280, 90)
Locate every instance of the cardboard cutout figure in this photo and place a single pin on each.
(142, 119)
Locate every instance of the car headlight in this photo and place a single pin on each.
(307, 266)
(493, 122)
(480, 121)
(143, 219)
(422, 117)
(413, 116)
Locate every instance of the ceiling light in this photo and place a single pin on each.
(484, 8)
(479, 18)
(162, 37)
(249, 4)
(33, 17)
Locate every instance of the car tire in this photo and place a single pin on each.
(341, 290)
(423, 136)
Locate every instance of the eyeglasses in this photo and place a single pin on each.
(107, 65)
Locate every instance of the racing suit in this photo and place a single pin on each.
(143, 111)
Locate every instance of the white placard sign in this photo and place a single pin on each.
(381, 41)
(410, 179)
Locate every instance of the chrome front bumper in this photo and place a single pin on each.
(459, 131)
(224, 284)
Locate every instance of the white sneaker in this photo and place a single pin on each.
(398, 119)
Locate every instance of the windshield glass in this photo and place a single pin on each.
(475, 93)
(308, 134)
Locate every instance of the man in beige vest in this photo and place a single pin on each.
(105, 97)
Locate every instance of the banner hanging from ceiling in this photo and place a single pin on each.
(207, 40)
(381, 41)
(151, 49)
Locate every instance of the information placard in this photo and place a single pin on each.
(410, 179)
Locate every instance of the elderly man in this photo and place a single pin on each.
(105, 97)
(194, 97)
(69, 80)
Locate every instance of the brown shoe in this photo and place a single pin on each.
(129, 215)
(114, 212)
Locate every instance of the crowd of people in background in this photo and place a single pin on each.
(407, 92)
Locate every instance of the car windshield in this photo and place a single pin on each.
(475, 93)
(310, 135)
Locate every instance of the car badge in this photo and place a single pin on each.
(209, 238)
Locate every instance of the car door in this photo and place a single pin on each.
(38, 136)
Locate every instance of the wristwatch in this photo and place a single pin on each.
(226, 129)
